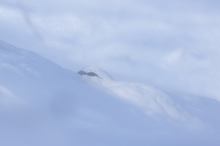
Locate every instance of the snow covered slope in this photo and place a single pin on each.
(44, 104)
(150, 99)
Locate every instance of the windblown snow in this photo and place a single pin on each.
(149, 99)
(44, 104)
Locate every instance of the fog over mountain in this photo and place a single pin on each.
(94, 72)
(45, 104)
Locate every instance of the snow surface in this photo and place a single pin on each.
(44, 104)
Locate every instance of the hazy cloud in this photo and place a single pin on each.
(172, 44)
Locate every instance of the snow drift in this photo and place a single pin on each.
(44, 104)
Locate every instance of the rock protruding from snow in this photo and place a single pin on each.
(91, 74)
(151, 100)
(95, 72)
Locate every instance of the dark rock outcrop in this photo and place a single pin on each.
(91, 74)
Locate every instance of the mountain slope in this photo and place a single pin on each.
(150, 99)
(44, 104)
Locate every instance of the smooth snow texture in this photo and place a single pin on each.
(148, 98)
(45, 104)
(8, 99)
(162, 86)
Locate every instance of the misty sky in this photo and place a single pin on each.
(173, 44)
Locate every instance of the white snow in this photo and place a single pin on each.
(150, 99)
(45, 104)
